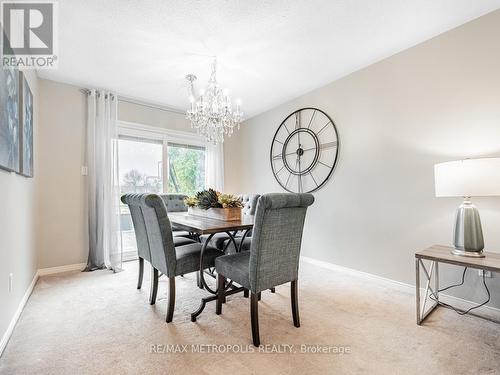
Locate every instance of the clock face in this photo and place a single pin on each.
(304, 150)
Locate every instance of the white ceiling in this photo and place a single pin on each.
(269, 51)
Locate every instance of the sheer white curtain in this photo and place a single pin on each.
(103, 182)
(214, 166)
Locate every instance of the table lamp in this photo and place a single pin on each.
(468, 178)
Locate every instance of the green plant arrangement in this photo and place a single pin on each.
(229, 201)
(210, 198)
(191, 201)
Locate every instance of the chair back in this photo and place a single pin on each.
(133, 201)
(159, 233)
(175, 202)
(276, 239)
(249, 203)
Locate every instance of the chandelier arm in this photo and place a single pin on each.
(191, 89)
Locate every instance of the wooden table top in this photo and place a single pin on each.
(490, 262)
(205, 225)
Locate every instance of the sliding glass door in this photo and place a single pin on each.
(140, 163)
(186, 168)
(140, 168)
(156, 162)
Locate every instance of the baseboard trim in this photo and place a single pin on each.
(17, 314)
(60, 269)
(485, 311)
(40, 272)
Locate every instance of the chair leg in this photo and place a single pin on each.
(198, 281)
(254, 316)
(273, 290)
(295, 304)
(221, 281)
(259, 295)
(141, 273)
(245, 293)
(171, 299)
(154, 286)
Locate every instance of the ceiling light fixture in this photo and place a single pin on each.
(211, 112)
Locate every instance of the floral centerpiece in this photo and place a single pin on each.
(211, 203)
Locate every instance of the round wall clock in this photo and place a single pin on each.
(304, 151)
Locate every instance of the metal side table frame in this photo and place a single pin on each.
(433, 270)
(443, 254)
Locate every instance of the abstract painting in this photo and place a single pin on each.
(9, 119)
(26, 109)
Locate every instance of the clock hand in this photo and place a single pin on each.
(324, 145)
(295, 152)
(299, 174)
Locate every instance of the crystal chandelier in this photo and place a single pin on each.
(211, 113)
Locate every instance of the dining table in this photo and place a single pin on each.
(197, 226)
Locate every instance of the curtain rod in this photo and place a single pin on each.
(142, 104)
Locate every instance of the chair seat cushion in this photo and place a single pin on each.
(180, 233)
(188, 257)
(235, 267)
(217, 240)
(179, 241)
(230, 246)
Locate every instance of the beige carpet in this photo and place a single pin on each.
(98, 323)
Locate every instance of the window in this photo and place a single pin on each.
(152, 161)
(186, 168)
(140, 170)
(140, 162)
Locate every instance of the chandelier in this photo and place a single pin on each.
(211, 113)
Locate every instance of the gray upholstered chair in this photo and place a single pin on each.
(274, 253)
(222, 241)
(143, 251)
(249, 203)
(175, 203)
(172, 261)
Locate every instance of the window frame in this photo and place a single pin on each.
(166, 136)
(161, 136)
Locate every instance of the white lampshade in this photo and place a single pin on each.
(468, 178)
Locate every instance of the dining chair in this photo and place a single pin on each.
(274, 253)
(143, 251)
(222, 241)
(175, 203)
(167, 258)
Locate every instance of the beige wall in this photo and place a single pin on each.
(62, 193)
(153, 117)
(435, 102)
(18, 227)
